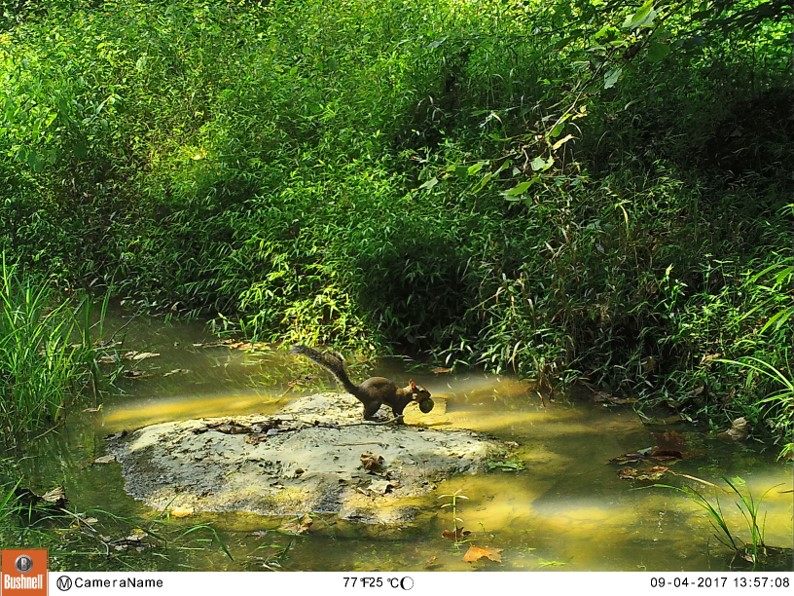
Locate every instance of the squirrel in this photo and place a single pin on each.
(373, 392)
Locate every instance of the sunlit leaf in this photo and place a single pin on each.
(518, 189)
(458, 535)
(105, 459)
(541, 165)
(429, 184)
(473, 169)
(642, 18)
(561, 142)
(475, 553)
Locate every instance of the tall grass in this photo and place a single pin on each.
(754, 550)
(46, 352)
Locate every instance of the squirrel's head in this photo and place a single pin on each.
(421, 396)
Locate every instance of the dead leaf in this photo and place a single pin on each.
(229, 427)
(237, 345)
(134, 374)
(669, 445)
(739, 430)
(299, 525)
(180, 512)
(432, 563)
(628, 458)
(55, 496)
(440, 370)
(458, 535)
(137, 534)
(93, 410)
(475, 553)
(105, 459)
(654, 473)
(372, 462)
(107, 359)
(176, 371)
(382, 487)
(138, 356)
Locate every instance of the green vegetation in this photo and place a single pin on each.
(575, 190)
(46, 352)
(99, 538)
(754, 550)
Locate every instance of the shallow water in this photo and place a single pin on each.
(566, 509)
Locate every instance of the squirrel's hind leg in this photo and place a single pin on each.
(371, 409)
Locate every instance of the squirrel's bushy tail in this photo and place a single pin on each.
(332, 362)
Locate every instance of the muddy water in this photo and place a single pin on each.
(565, 508)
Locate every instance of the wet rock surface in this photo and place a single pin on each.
(316, 455)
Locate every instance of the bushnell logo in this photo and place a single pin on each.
(23, 572)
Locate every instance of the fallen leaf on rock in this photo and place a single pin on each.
(475, 553)
(372, 462)
(179, 512)
(458, 535)
(105, 459)
(299, 525)
(381, 487)
(138, 356)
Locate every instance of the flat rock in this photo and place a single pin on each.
(307, 458)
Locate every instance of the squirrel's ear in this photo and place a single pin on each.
(413, 385)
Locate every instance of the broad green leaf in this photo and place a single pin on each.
(611, 77)
(541, 165)
(519, 189)
(475, 168)
(642, 18)
(429, 184)
(483, 182)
